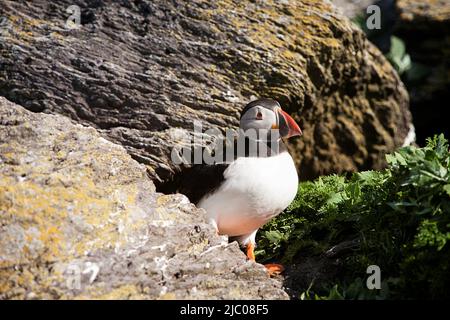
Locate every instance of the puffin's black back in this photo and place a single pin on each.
(201, 179)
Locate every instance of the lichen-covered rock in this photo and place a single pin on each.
(80, 219)
(137, 69)
(353, 8)
(425, 14)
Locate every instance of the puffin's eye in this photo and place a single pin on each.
(259, 115)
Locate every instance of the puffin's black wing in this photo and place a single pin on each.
(199, 180)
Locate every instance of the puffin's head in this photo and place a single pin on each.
(267, 114)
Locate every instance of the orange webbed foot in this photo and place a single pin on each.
(251, 251)
(274, 268)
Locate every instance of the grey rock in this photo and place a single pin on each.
(136, 70)
(79, 218)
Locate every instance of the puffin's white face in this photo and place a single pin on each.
(262, 116)
(258, 118)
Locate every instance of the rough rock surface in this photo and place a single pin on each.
(138, 69)
(425, 14)
(353, 8)
(80, 219)
(425, 28)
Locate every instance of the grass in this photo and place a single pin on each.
(398, 219)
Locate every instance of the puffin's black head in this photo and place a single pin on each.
(267, 114)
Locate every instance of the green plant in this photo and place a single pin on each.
(399, 218)
(397, 55)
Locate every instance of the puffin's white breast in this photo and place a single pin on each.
(254, 191)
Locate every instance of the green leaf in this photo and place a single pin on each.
(274, 236)
(335, 294)
(355, 190)
(447, 188)
(397, 47)
(335, 198)
(398, 56)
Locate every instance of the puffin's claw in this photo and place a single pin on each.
(274, 268)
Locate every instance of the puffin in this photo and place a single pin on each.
(243, 194)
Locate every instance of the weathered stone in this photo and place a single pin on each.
(138, 69)
(425, 15)
(353, 8)
(79, 218)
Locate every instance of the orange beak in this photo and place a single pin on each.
(288, 127)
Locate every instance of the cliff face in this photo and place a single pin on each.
(81, 219)
(137, 69)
